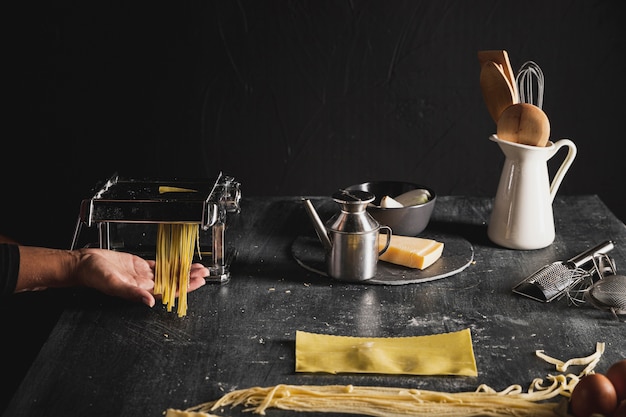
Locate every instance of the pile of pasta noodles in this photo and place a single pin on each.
(396, 402)
(174, 254)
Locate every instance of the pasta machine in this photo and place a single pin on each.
(126, 212)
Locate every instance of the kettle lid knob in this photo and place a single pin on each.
(357, 197)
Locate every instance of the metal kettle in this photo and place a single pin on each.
(350, 237)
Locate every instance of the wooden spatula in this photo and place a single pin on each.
(497, 92)
(500, 57)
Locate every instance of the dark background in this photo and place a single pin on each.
(293, 97)
(290, 98)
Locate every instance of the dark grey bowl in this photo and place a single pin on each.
(404, 221)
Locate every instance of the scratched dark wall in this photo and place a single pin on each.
(293, 97)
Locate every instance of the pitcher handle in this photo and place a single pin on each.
(388, 233)
(567, 162)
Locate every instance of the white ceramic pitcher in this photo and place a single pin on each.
(522, 216)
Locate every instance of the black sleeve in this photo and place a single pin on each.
(9, 268)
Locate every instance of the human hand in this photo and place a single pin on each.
(125, 275)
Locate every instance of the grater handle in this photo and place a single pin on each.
(589, 254)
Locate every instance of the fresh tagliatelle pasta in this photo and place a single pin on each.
(174, 254)
(378, 401)
(396, 402)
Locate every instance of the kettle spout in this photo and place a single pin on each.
(320, 229)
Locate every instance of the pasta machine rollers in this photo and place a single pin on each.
(126, 213)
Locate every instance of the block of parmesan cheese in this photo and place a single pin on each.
(412, 252)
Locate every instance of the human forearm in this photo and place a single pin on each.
(42, 268)
(110, 272)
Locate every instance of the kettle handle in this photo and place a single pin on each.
(388, 233)
(569, 158)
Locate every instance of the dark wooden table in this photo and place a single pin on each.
(106, 357)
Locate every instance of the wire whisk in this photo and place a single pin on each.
(530, 84)
(604, 289)
(602, 266)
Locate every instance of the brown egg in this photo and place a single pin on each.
(617, 375)
(594, 393)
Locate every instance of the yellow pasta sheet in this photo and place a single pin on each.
(438, 354)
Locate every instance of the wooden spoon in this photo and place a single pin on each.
(524, 123)
(497, 92)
